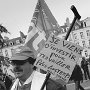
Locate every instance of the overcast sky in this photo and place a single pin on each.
(16, 15)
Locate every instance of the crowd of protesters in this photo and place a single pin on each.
(81, 72)
(84, 66)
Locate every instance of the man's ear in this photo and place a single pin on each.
(31, 65)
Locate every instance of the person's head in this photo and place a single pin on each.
(23, 63)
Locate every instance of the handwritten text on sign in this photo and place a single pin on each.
(59, 57)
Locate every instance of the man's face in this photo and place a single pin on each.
(22, 71)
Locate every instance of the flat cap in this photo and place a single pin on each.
(23, 54)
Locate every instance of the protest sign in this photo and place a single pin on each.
(59, 57)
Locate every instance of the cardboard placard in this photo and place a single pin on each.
(59, 57)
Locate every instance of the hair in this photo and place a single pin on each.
(31, 60)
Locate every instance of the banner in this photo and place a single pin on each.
(41, 27)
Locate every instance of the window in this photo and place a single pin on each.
(83, 42)
(84, 24)
(77, 43)
(82, 35)
(6, 53)
(89, 42)
(86, 53)
(11, 43)
(13, 51)
(88, 33)
(75, 36)
(17, 41)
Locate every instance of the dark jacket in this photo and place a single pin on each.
(77, 74)
(84, 65)
(8, 82)
(53, 85)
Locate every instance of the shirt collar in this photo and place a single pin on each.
(28, 80)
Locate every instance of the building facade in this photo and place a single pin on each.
(80, 35)
(12, 46)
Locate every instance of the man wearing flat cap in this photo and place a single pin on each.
(27, 78)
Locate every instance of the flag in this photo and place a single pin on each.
(42, 25)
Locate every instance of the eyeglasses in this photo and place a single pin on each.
(18, 62)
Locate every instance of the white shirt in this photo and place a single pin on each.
(37, 79)
(28, 80)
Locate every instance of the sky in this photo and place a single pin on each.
(16, 15)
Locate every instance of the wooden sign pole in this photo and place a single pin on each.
(76, 17)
